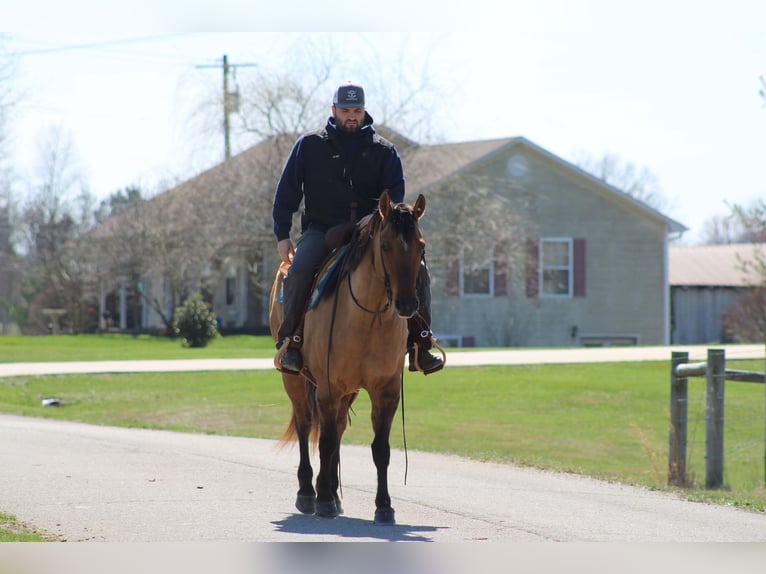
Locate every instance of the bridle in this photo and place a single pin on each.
(387, 283)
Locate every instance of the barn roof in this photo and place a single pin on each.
(715, 265)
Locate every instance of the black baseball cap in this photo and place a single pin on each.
(349, 96)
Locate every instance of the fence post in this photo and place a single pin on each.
(714, 416)
(678, 420)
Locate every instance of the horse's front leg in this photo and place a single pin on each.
(327, 479)
(384, 408)
(305, 501)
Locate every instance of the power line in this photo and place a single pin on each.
(98, 45)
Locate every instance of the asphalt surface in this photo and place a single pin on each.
(80, 482)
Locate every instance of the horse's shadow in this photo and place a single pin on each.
(349, 528)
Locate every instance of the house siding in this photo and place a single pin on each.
(625, 290)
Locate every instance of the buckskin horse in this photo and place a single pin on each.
(355, 338)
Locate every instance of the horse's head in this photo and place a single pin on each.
(401, 250)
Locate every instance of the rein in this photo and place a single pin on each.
(386, 281)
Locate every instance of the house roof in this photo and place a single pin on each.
(715, 265)
(426, 166)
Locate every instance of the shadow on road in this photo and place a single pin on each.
(345, 527)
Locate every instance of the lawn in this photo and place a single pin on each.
(127, 347)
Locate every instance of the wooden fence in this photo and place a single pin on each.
(716, 373)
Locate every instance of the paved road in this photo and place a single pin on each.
(505, 357)
(86, 483)
(80, 483)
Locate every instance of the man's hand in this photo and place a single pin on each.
(286, 251)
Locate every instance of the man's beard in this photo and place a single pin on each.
(350, 130)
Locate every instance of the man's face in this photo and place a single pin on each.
(348, 119)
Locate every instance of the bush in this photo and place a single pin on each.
(195, 322)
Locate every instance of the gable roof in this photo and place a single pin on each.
(427, 166)
(714, 265)
(256, 170)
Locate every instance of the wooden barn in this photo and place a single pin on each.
(704, 282)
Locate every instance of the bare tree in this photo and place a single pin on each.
(10, 299)
(752, 220)
(56, 213)
(721, 230)
(638, 182)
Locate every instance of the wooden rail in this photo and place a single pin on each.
(714, 370)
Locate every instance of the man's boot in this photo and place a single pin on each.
(424, 361)
(292, 360)
(419, 341)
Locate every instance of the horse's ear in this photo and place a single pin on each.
(419, 207)
(384, 204)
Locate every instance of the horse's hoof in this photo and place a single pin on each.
(384, 516)
(306, 503)
(339, 506)
(326, 509)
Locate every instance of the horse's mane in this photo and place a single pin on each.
(402, 219)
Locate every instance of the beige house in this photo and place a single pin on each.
(524, 248)
(591, 264)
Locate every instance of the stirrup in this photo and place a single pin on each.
(438, 364)
(292, 360)
(282, 351)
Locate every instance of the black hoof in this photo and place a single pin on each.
(326, 509)
(339, 506)
(306, 503)
(384, 516)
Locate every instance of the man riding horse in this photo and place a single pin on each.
(339, 172)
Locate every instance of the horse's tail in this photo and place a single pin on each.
(291, 433)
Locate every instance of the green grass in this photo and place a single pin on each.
(127, 347)
(11, 530)
(604, 420)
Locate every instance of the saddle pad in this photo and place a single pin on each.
(320, 282)
(325, 273)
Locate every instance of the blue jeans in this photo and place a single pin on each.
(296, 287)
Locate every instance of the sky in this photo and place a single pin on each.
(669, 86)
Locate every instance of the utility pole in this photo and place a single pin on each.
(230, 100)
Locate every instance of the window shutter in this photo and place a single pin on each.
(533, 268)
(579, 268)
(452, 282)
(501, 269)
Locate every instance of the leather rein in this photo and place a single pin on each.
(386, 281)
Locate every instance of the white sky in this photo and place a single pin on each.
(671, 86)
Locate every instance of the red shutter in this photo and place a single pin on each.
(533, 268)
(579, 268)
(452, 282)
(501, 269)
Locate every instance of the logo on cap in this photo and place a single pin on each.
(349, 96)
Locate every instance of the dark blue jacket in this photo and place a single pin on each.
(331, 171)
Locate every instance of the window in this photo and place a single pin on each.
(556, 268)
(477, 271)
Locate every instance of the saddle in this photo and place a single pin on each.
(338, 240)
